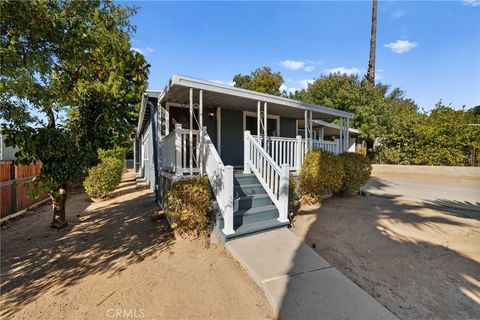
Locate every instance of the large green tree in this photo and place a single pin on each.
(261, 80)
(73, 59)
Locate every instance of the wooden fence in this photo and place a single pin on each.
(14, 187)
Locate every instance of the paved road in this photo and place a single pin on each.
(448, 192)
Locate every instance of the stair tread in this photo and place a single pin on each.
(256, 227)
(252, 196)
(250, 211)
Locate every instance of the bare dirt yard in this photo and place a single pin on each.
(114, 261)
(421, 261)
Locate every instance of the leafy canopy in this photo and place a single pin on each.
(260, 80)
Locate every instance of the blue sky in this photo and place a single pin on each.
(431, 49)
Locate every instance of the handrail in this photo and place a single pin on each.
(221, 180)
(271, 176)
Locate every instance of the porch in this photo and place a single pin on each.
(204, 128)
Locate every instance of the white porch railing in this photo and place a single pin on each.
(221, 180)
(272, 177)
(330, 146)
(175, 151)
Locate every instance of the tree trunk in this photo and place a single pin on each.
(373, 44)
(58, 203)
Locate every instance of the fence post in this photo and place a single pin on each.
(246, 152)
(283, 197)
(228, 187)
(299, 154)
(178, 150)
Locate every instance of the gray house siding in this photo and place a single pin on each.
(232, 137)
(288, 127)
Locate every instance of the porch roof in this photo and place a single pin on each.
(228, 97)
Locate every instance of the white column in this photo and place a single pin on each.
(190, 140)
(299, 154)
(265, 126)
(134, 154)
(259, 119)
(246, 152)
(305, 127)
(178, 150)
(310, 125)
(219, 131)
(347, 136)
(200, 132)
(228, 210)
(283, 197)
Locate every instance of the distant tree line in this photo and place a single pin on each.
(401, 132)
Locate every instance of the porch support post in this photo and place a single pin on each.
(228, 185)
(246, 152)
(347, 135)
(305, 127)
(283, 197)
(135, 154)
(219, 131)
(340, 144)
(310, 125)
(265, 126)
(178, 150)
(259, 114)
(190, 140)
(200, 132)
(299, 154)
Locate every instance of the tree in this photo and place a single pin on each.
(73, 58)
(373, 44)
(261, 80)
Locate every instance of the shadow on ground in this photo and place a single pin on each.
(107, 237)
(419, 260)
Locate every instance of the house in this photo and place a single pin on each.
(246, 143)
(6, 153)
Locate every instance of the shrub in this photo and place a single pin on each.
(357, 170)
(292, 197)
(117, 153)
(188, 202)
(103, 178)
(322, 175)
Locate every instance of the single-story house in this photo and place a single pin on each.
(246, 143)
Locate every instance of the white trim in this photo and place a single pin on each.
(254, 115)
(219, 131)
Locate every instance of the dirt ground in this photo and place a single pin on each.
(419, 261)
(114, 261)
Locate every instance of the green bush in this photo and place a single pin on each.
(357, 170)
(103, 178)
(188, 202)
(117, 153)
(322, 175)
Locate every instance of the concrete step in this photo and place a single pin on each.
(250, 229)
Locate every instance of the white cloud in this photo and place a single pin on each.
(401, 46)
(342, 70)
(305, 83)
(472, 3)
(144, 50)
(397, 14)
(283, 87)
(292, 64)
(309, 68)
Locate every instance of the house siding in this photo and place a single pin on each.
(232, 137)
(288, 128)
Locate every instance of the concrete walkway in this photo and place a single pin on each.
(299, 283)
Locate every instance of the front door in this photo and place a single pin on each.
(272, 125)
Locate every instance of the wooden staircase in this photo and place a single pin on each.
(253, 210)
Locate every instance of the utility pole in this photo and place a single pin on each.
(373, 43)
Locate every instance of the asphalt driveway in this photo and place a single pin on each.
(461, 194)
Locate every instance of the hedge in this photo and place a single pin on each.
(322, 175)
(188, 202)
(103, 178)
(117, 153)
(357, 168)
